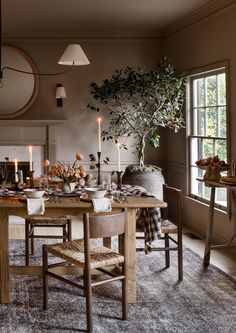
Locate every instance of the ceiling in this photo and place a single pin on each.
(98, 18)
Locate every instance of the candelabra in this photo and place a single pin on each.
(99, 168)
(119, 179)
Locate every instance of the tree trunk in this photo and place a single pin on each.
(141, 151)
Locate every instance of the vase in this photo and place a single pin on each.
(152, 181)
(68, 187)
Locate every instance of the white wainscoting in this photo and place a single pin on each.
(23, 133)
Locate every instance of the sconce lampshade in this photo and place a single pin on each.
(60, 94)
(73, 55)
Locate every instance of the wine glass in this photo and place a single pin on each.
(106, 181)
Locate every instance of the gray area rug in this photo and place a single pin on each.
(204, 302)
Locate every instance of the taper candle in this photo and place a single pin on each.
(99, 135)
(118, 157)
(30, 159)
(16, 171)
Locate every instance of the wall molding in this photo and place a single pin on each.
(26, 122)
(205, 12)
(85, 35)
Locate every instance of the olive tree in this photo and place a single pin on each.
(138, 102)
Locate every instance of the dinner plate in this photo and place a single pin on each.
(64, 194)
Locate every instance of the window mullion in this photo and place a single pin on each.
(205, 99)
(217, 107)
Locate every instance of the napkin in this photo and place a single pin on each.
(35, 206)
(101, 205)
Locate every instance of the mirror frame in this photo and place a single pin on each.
(36, 84)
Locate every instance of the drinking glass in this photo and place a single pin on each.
(106, 181)
(43, 182)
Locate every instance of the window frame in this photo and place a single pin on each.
(217, 68)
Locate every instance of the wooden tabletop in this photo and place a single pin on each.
(73, 202)
(216, 183)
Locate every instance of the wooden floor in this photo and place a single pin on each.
(224, 259)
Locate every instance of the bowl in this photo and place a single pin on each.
(33, 193)
(95, 192)
(221, 168)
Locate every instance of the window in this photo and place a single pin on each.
(207, 127)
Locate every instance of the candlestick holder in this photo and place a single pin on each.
(31, 178)
(20, 177)
(17, 186)
(99, 168)
(119, 179)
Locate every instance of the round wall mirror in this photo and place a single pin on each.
(18, 91)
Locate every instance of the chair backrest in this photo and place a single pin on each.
(172, 196)
(104, 225)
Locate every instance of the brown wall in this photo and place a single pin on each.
(79, 131)
(208, 42)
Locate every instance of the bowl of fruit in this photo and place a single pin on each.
(213, 166)
(212, 161)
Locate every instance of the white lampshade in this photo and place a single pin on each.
(73, 55)
(60, 92)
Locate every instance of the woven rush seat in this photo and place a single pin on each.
(48, 220)
(100, 256)
(167, 227)
(36, 221)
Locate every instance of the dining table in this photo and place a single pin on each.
(73, 207)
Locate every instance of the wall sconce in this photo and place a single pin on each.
(60, 94)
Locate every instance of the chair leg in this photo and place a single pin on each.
(45, 277)
(120, 245)
(64, 233)
(26, 243)
(167, 253)
(89, 300)
(84, 281)
(124, 295)
(69, 231)
(32, 245)
(180, 258)
(31, 233)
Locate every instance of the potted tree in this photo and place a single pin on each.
(138, 102)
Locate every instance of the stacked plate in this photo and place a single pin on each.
(33, 193)
(95, 192)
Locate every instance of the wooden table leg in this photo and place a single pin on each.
(107, 242)
(4, 258)
(131, 273)
(207, 253)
